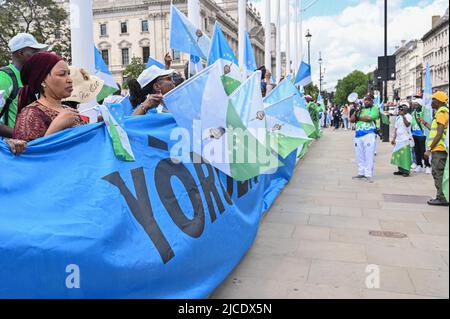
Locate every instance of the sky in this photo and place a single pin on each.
(350, 33)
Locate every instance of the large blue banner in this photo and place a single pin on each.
(75, 222)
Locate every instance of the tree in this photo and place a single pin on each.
(133, 70)
(356, 81)
(44, 19)
(312, 90)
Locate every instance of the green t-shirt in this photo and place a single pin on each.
(364, 128)
(6, 84)
(416, 129)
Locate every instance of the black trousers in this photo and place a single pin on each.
(419, 150)
(336, 123)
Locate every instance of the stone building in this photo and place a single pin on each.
(140, 28)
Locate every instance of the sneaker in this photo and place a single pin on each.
(418, 169)
(358, 177)
(369, 180)
(405, 175)
(398, 173)
(414, 166)
(437, 202)
(428, 170)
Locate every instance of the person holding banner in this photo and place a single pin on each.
(46, 79)
(436, 144)
(148, 90)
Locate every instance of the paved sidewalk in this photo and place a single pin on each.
(316, 241)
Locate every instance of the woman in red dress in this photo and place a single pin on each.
(47, 82)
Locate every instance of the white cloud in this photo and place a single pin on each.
(354, 38)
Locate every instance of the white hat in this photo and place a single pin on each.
(418, 101)
(25, 40)
(150, 74)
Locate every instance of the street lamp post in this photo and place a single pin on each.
(308, 40)
(320, 72)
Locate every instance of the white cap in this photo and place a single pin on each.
(418, 101)
(151, 73)
(25, 40)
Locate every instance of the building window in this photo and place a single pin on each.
(105, 56)
(123, 27)
(205, 23)
(145, 54)
(144, 25)
(125, 57)
(103, 30)
(176, 56)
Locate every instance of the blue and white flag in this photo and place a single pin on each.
(303, 77)
(427, 99)
(185, 36)
(153, 228)
(250, 61)
(220, 49)
(102, 71)
(152, 61)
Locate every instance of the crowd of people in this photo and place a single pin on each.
(414, 148)
(40, 92)
(40, 95)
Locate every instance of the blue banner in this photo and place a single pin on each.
(76, 222)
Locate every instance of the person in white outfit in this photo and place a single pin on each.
(365, 118)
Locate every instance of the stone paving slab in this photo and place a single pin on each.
(316, 240)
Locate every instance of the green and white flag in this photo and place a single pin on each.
(284, 128)
(401, 156)
(102, 71)
(233, 133)
(231, 75)
(113, 117)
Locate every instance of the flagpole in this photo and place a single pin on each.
(300, 33)
(267, 53)
(278, 46)
(82, 34)
(295, 35)
(242, 12)
(288, 40)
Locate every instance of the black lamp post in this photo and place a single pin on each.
(308, 40)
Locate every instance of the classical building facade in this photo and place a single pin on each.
(124, 29)
(409, 66)
(436, 52)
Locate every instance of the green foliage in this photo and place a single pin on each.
(41, 18)
(356, 81)
(133, 70)
(312, 90)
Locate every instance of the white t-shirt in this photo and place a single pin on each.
(403, 132)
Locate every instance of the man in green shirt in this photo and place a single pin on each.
(365, 118)
(22, 47)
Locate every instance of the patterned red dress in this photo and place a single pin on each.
(34, 120)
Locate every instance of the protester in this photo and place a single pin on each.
(314, 113)
(402, 139)
(336, 117)
(148, 90)
(22, 47)
(116, 97)
(365, 118)
(419, 137)
(345, 116)
(41, 112)
(436, 146)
